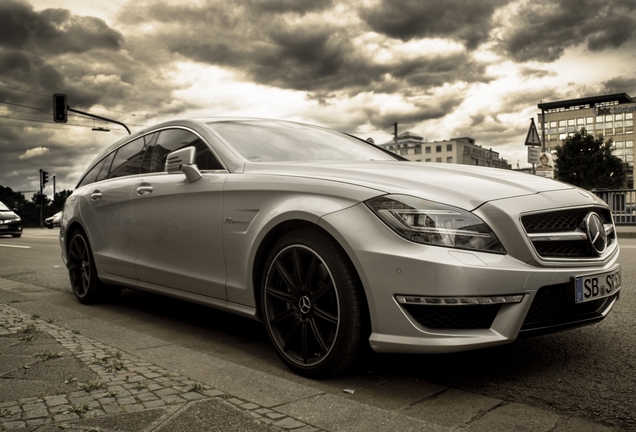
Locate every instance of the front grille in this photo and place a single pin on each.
(565, 222)
(469, 317)
(554, 305)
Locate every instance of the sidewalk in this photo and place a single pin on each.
(626, 231)
(53, 376)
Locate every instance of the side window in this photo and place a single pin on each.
(128, 159)
(103, 173)
(149, 140)
(92, 174)
(175, 139)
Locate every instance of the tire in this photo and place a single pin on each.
(312, 304)
(16, 235)
(88, 289)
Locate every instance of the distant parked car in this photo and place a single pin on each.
(53, 221)
(334, 243)
(10, 222)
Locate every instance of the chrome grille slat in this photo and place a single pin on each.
(561, 234)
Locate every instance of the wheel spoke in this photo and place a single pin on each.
(281, 295)
(286, 276)
(305, 342)
(321, 291)
(333, 319)
(318, 336)
(298, 266)
(311, 271)
(290, 335)
(281, 316)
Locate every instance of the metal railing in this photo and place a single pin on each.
(622, 202)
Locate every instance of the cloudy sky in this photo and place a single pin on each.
(440, 68)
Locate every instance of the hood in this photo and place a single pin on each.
(463, 186)
(7, 215)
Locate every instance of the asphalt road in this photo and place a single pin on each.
(588, 372)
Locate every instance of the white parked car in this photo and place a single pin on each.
(334, 243)
(53, 221)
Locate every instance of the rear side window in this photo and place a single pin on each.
(92, 174)
(174, 139)
(103, 173)
(128, 159)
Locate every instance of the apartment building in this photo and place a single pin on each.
(461, 150)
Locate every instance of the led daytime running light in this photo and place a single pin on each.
(459, 301)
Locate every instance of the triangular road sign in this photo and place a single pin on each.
(533, 136)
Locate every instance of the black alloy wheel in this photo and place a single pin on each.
(312, 304)
(82, 271)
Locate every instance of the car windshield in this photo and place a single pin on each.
(270, 141)
(4, 207)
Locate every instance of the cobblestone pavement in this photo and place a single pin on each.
(119, 382)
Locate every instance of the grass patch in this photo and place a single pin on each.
(92, 385)
(48, 355)
(141, 385)
(78, 409)
(115, 365)
(30, 328)
(27, 338)
(197, 387)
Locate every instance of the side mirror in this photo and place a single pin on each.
(184, 160)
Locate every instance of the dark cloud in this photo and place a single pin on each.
(620, 85)
(300, 48)
(53, 30)
(431, 109)
(293, 6)
(467, 21)
(541, 30)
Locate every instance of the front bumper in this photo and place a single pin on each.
(11, 228)
(391, 268)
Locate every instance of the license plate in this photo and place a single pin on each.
(4, 227)
(596, 286)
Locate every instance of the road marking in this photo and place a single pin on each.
(14, 246)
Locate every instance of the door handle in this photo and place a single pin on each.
(143, 190)
(96, 195)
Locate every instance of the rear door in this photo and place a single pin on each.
(106, 209)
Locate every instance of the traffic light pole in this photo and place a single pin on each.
(60, 108)
(99, 118)
(40, 199)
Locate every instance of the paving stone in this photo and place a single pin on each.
(166, 392)
(288, 423)
(111, 408)
(192, 396)
(35, 413)
(14, 425)
(155, 403)
(134, 408)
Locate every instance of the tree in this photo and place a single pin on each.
(11, 199)
(58, 200)
(588, 162)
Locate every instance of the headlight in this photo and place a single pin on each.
(17, 219)
(431, 223)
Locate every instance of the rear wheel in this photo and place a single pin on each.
(312, 304)
(82, 271)
(16, 235)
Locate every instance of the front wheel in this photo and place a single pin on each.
(313, 305)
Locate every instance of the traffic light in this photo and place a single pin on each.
(45, 178)
(60, 113)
